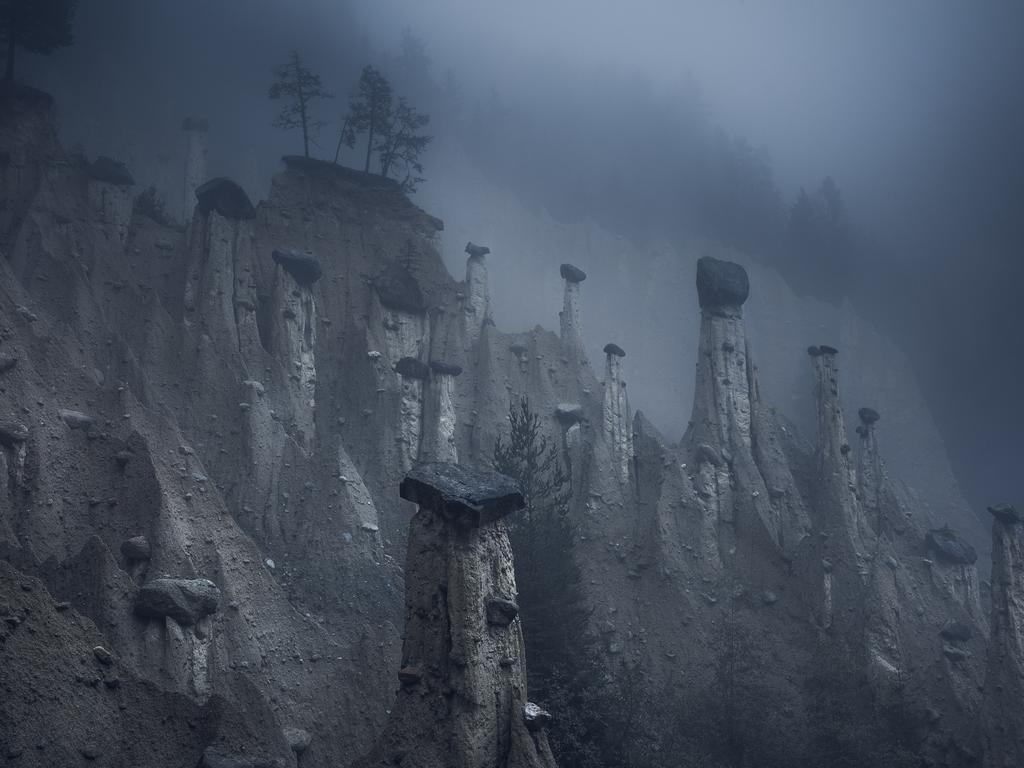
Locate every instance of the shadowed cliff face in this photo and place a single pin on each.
(204, 430)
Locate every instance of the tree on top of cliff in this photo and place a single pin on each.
(39, 26)
(301, 89)
(565, 673)
(401, 144)
(369, 109)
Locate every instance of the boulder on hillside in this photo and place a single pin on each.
(950, 547)
(184, 600)
(12, 433)
(136, 549)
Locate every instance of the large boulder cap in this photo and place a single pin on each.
(411, 368)
(614, 349)
(477, 251)
(868, 415)
(226, 197)
(461, 494)
(572, 274)
(110, 171)
(1005, 513)
(721, 283)
(184, 600)
(303, 267)
(950, 547)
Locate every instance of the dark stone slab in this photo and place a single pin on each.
(470, 496)
(721, 283)
(136, 548)
(1005, 514)
(569, 413)
(450, 369)
(303, 267)
(411, 368)
(957, 631)
(110, 171)
(12, 433)
(614, 349)
(950, 547)
(226, 197)
(477, 251)
(184, 600)
(868, 415)
(572, 274)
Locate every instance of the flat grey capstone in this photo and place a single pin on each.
(572, 274)
(184, 600)
(304, 267)
(471, 496)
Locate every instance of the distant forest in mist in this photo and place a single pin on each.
(611, 145)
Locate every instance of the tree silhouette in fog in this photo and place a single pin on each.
(38, 26)
(370, 108)
(301, 90)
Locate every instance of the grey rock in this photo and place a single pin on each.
(409, 676)
(411, 368)
(103, 656)
(868, 415)
(7, 362)
(501, 611)
(950, 547)
(955, 654)
(12, 433)
(136, 548)
(226, 197)
(707, 454)
(184, 600)
(303, 267)
(477, 251)
(122, 458)
(572, 274)
(957, 631)
(459, 493)
(110, 171)
(536, 717)
(614, 349)
(721, 283)
(76, 419)
(1005, 513)
(569, 413)
(449, 369)
(398, 289)
(298, 739)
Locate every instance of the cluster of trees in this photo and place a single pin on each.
(566, 671)
(393, 128)
(38, 26)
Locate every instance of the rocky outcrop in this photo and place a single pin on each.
(477, 303)
(195, 130)
(462, 701)
(617, 421)
(742, 477)
(184, 600)
(1004, 685)
(569, 317)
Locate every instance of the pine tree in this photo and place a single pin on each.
(370, 109)
(564, 671)
(301, 89)
(39, 26)
(401, 144)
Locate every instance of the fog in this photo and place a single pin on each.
(660, 122)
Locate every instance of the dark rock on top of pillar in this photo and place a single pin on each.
(12, 433)
(304, 267)
(957, 631)
(868, 415)
(822, 349)
(200, 124)
(397, 289)
(535, 717)
(226, 197)
(950, 547)
(460, 493)
(572, 274)
(569, 413)
(184, 600)
(476, 251)
(442, 367)
(136, 548)
(721, 283)
(110, 171)
(411, 368)
(614, 349)
(1005, 513)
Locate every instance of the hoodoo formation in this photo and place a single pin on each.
(462, 698)
(204, 562)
